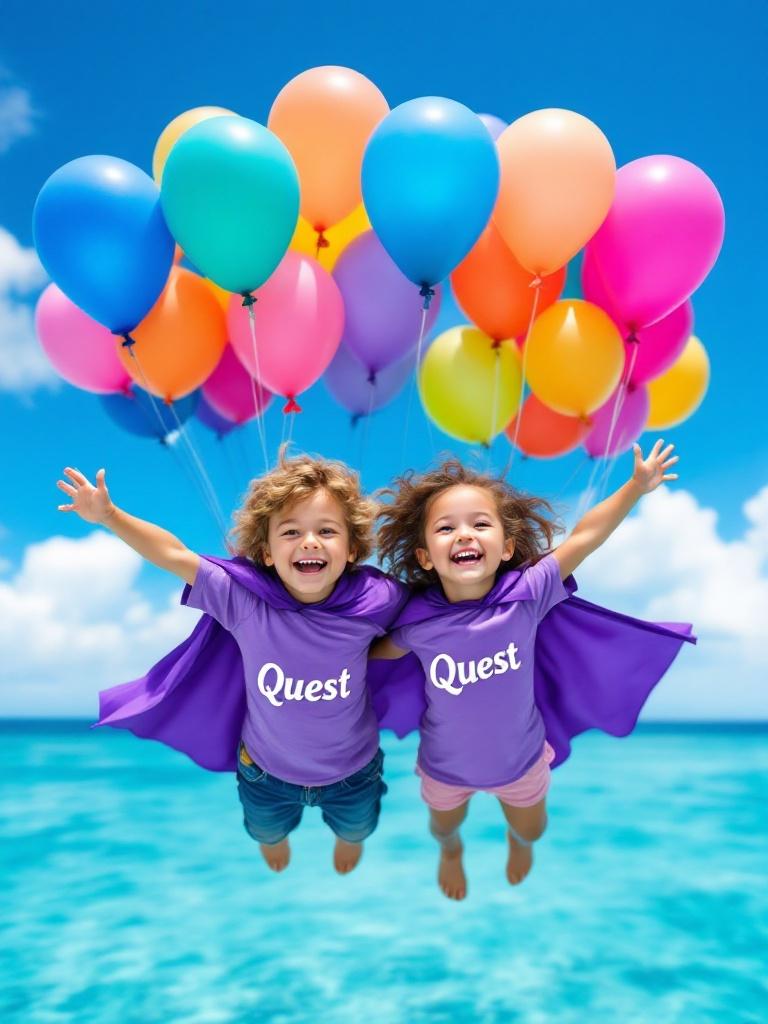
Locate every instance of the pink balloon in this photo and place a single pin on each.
(230, 392)
(299, 323)
(660, 239)
(659, 345)
(80, 350)
(628, 427)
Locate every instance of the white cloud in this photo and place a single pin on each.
(17, 115)
(72, 622)
(23, 366)
(668, 562)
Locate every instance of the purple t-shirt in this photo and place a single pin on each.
(309, 718)
(482, 727)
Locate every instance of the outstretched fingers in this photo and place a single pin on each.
(67, 488)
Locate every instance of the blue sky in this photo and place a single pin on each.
(662, 78)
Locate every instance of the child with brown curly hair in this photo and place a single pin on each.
(484, 551)
(302, 612)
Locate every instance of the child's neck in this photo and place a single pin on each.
(456, 592)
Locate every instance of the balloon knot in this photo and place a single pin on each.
(427, 294)
(322, 241)
(128, 341)
(633, 339)
(371, 378)
(354, 419)
(536, 282)
(496, 344)
(291, 405)
(248, 299)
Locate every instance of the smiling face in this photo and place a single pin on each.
(308, 544)
(465, 541)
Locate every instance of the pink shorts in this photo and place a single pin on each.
(526, 791)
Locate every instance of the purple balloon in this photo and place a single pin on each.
(494, 124)
(628, 427)
(358, 389)
(213, 420)
(383, 308)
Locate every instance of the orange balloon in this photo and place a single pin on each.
(544, 433)
(574, 357)
(221, 295)
(180, 341)
(495, 291)
(325, 117)
(558, 176)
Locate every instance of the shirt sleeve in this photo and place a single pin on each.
(215, 592)
(401, 638)
(546, 586)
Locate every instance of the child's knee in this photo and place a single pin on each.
(529, 831)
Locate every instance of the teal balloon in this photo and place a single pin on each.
(230, 195)
(430, 179)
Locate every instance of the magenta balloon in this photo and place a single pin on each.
(383, 309)
(80, 350)
(659, 345)
(299, 322)
(230, 392)
(629, 425)
(494, 124)
(660, 239)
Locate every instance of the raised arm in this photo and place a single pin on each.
(158, 546)
(599, 523)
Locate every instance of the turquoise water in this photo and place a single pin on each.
(131, 894)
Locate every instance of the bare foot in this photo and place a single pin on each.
(519, 862)
(346, 856)
(450, 873)
(276, 856)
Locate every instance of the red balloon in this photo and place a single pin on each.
(544, 433)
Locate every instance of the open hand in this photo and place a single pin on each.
(92, 504)
(651, 472)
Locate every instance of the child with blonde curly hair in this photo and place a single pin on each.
(276, 670)
(484, 554)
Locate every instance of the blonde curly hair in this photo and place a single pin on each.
(292, 480)
(524, 517)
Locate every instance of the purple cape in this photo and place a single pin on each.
(593, 668)
(194, 698)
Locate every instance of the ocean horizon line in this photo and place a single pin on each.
(76, 724)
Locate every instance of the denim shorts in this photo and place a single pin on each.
(272, 807)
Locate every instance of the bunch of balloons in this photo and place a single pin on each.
(316, 245)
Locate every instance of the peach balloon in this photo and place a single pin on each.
(325, 117)
(336, 238)
(574, 357)
(179, 343)
(495, 291)
(558, 176)
(544, 433)
(678, 393)
(172, 132)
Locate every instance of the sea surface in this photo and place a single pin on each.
(130, 893)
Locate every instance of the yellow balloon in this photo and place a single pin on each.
(173, 132)
(338, 237)
(470, 385)
(680, 391)
(574, 357)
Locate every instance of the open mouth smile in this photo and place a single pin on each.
(309, 566)
(467, 557)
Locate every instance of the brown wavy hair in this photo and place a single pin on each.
(290, 481)
(525, 518)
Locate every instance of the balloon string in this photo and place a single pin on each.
(427, 293)
(536, 285)
(198, 462)
(208, 492)
(609, 459)
(249, 301)
(495, 402)
(291, 423)
(367, 422)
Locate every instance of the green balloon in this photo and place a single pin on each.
(230, 195)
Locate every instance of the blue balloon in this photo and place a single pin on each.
(134, 412)
(430, 178)
(208, 416)
(100, 233)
